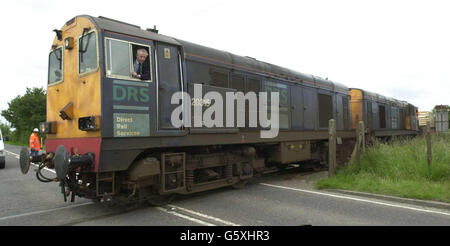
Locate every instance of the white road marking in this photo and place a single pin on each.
(43, 211)
(201, 222)
(205, 216)
(356, 199)
(14, 154)
(18, 157)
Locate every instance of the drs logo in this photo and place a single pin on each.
(130, 94)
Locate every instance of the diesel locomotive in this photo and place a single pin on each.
(110, 136)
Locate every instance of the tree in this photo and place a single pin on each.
(26, 112)
(5, 129)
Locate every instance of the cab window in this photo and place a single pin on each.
(55, 61)
(121, 59)
(87, 53)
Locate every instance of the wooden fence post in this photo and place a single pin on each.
(362, 135)
(428, 137)
(331, 147)
(358, 144)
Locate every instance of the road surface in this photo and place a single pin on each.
(287, 199)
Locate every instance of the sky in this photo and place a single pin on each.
(396, 48)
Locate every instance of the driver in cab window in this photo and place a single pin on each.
(141, 66)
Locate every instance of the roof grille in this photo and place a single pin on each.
(121, 22)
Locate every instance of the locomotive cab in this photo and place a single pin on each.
(108, 82)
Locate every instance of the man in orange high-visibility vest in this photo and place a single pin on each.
(35, 145)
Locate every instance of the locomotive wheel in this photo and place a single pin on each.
(24, 160)
(61, 162)
(160, 200)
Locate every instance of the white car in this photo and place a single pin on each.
(2, 152)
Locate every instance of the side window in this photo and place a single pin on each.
(55, 66)
(87, 53)
(122, 61)
(283, 91)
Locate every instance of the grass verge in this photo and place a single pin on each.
(398, 168)
(22, 144)
(16, 143)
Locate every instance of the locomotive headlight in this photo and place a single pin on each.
(43, 127)
(90, 123)
(68, 43)
(47, 127)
